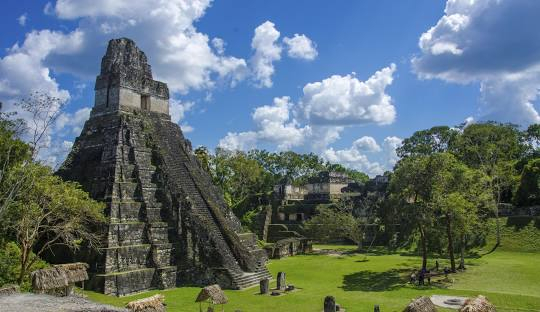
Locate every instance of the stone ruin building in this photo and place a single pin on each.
(281, 225)
(167, 225)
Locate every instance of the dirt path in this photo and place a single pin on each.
(27, 302)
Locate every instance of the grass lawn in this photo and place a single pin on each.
(511, 280)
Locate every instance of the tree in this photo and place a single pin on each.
(13, 153)
(245, 183)
(331, 224)
(409, 193)
(49, 212)
(204, 158)
(289, 165)
(438, 139)
(528, 192)
(494, 149)
(355, 175)
(456, 193)
(43, 110)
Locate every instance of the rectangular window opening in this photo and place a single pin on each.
(145, 102)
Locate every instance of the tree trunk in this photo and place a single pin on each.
(424, 247)
(462, 252)
(450, 242)
(498, 222)
(24, 261)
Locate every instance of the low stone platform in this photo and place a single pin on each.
(450, 302)
(27, 302)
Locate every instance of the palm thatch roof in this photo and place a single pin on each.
(213, 294)
(59, 276)
(75, 272)
(478, 304)
(422, 304)
(49, 278)
(149, 304)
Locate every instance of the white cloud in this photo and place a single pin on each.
(178, 53)
(267, 50)
(23, 69)
(274, 125)
(355, 158)
(366, 144)
(493, 42)
(301, 47)
(22, 19)
(219, 45)
(73, 121)
(242, 141)
(327, 108)
(178, 111)
(352, 158)
(345, 100)
(390, 145)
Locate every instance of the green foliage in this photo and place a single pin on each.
(245, 184)
(48, 212)
(356, 175)
(289, 166)
(333, 224)
(528, 192)
(426, 142)
(10, 266)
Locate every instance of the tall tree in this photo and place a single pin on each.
(494, 149)
(410, 196)
(438, 139)
(456, 193)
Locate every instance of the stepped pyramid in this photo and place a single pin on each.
(168, 225)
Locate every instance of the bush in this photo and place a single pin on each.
(10, 266)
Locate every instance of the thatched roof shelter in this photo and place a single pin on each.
(212, 294)
(422, 304)
(75, 272)
(149, 304)
(478, 304)
(49, 278)
(59, 276)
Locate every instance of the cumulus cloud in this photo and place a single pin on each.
(23, 69)
(274, 125)
(179, 54)
(355, 157)
(366, 144)
(301, 47)
(325, 110)
(390, 145)
(345, 100)
(493, 42)
(266, 51)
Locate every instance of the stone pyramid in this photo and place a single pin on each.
(168, 225)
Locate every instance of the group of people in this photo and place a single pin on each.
(424, 274)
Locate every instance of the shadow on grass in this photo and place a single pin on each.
(375, 281)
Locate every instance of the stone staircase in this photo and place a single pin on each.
(188, 179)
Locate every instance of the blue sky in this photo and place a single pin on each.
(286, 75)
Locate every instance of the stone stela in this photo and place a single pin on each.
(167, 224)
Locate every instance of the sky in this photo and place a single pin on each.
(347, 80)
